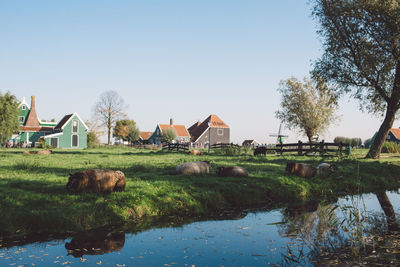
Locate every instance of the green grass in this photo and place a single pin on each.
(33, 196)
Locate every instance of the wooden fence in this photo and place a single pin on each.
(176, 147)
(310, 149)
(223, 145)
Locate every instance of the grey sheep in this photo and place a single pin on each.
(195, 167)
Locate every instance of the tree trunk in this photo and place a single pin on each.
(376, 147)
(388, 210)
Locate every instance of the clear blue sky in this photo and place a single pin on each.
(179, 59)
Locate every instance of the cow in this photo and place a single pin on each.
(232, 171)
(260, 150)
(301, 169)
(96, 181)
(194, 167)
(196, 152)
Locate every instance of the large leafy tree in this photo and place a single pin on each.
(126, 130)
(307, 106)
(168, 135)
(8, 116)
(108, 110)
(361, 41)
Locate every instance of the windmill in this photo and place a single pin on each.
(280, 136)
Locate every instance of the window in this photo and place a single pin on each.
(74, 140)
(220, 131)
(74, 126)
(23, 107)
(54, 142)
(21, 119)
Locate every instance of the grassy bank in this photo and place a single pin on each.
(33, 196)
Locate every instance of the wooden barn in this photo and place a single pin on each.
(211, 131)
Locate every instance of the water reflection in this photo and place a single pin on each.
(352, 235)
(308, 234)
(95, 243)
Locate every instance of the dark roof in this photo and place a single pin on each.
(63, 121)
(213, 121)
(194, 126)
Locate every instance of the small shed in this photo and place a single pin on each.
(250, 143)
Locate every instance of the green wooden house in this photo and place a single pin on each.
(70, 132)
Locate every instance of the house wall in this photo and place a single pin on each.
(215, 138)
(392, 138)
(23, 112)
(65, 139)
(155, 138)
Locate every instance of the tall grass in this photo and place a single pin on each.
(391, 147)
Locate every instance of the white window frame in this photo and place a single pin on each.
(56, 138)
(220, 131)
(72, 140)
(19, 119)
(77, 126)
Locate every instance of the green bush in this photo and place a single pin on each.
(390, 147)
(92, 140)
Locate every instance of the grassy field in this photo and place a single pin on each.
(33, 197)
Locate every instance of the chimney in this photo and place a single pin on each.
(171, 122)
(32, 119)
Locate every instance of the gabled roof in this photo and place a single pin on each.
(179, 129)
(194, 126)
(212, 121)
(145, 135)
(24, 103)
(396, 132)
(249, 142)
(64, 121)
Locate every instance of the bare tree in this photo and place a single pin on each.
(361, 41)
(108, 110)
(307, 106)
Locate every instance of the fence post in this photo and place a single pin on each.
(300, 148)
(340, 148)
(321, 147)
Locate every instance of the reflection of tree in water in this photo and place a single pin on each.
(307, 221)
(329, 240)
(95, 243)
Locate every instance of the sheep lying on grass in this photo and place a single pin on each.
(301, 169)
(326, 167)
(96, 181)
(195, 167)
(232, 171)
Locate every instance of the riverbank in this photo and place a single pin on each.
(33, 197)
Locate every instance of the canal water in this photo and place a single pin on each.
(280, 237)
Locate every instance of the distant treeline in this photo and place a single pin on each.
(354, 142)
